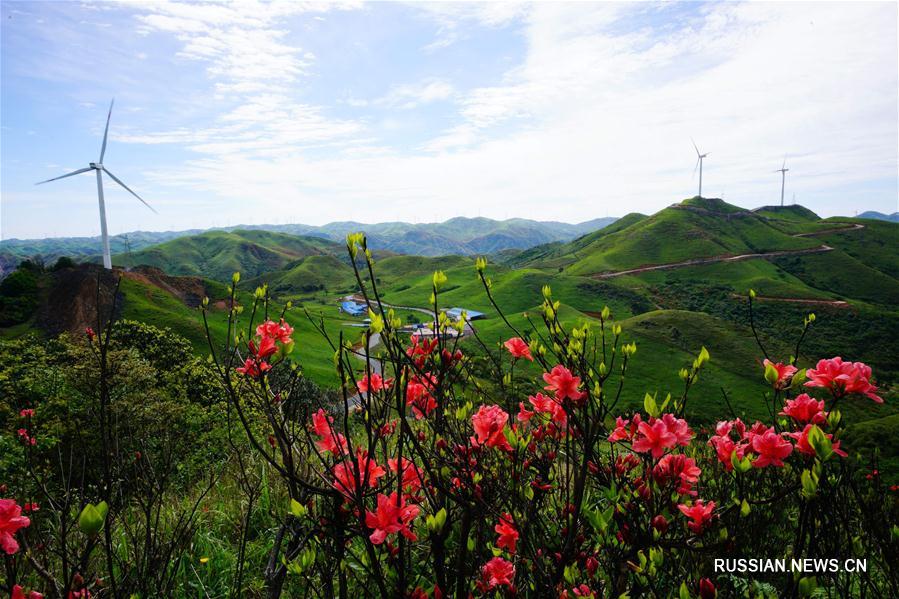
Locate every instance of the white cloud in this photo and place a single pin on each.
(411, 95)
(596, 118)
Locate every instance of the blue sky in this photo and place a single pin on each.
(304, 112)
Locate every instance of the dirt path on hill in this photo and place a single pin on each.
(724, 258)
(854, 227)
(711, 260)
(797, 300)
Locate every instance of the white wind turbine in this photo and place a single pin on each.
(699, 158)
(783, 179)
(100, 169)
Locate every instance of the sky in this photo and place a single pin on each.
(252, 113)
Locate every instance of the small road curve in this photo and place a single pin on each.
(712, 260)
(374, 365)
(854, 227)
(716, 259)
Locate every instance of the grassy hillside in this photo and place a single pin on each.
(695, 228)
(218, 254)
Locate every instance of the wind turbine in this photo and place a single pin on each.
(100, 169)
(699, 158)
(783, 179)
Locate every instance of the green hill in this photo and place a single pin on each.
(695, 228)
(218, 254)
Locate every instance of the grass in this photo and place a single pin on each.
(218, 254)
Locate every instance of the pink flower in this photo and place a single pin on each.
(345, 474)
(841, 378)
(785, 373)
(328, 441)
(252, 368)
(19, 593)
(564, 384)
(700, 514)
(412, 475)
(725, 447)
(26, 413)
(518, 348)
(547, 405)
(805, 409)
(624, 429)
(418, 395)
(680, 468)
(488, 423)
(391, 516)
(508, 535)
(11, 520)
(277, 331)
(374, 383)
(772, 449)
(803, 446)
(266, 348)
(498, 572)
(679, 428)
(654, 438)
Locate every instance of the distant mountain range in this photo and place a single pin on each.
(463, 236)
(893, 218)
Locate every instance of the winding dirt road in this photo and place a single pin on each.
(715, 259)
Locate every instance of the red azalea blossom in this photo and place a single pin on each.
(771, 447)
(707, 589)
(680, 468)
(654, 438)
(266, 348)
(418, 395)
(345, 474)
(328, 440)
(785, 373)
(488, 424)
(805, 409)
(412, 475)
(679, 428)
(277, 331)
(391, 516)
(625, 428)
(564, 384)
(700, 514)
(498, 572)
(518, 348)
(843, 377)
(19, 593)
(374, 383)
(253, 369)
(544, 405)
(508, 535)
(90, 333)
(26, 413)
(11, 520)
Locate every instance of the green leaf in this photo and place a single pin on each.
(649, 405)
(90, 521)
(809, 482)
(821, 444)
(744, 508)
(297, 509)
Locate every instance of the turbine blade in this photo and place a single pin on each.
(695, 168)
(116, 179)
(106, 132)
(694, 146)
(73, 173)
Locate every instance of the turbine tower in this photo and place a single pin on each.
(783, 179)
(699, 158)
(100, 169)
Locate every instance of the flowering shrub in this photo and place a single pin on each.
(426, 482)
(435, 474)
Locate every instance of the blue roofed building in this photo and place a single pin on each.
(353, 308)
(456, 314)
